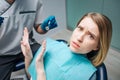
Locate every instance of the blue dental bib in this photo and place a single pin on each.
(60, 63)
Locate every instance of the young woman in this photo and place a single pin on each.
(87, 49)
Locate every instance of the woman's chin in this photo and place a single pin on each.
(73, 50)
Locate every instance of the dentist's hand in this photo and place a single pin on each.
(1, 20)
(49, 23)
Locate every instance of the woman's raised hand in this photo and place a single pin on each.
(39, 63)
(25, 46)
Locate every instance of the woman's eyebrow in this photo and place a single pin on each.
(80, 26)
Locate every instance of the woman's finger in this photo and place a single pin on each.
(40, 55)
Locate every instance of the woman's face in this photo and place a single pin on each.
(85, 37)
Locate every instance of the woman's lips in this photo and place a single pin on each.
(74, 44)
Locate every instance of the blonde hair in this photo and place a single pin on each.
(105, 29)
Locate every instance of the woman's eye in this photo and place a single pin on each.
(91, 36)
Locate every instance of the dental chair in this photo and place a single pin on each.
(100, 74)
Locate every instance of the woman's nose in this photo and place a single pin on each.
(80, 37)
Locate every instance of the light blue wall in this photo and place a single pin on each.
(111, 8)
(76, 9)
